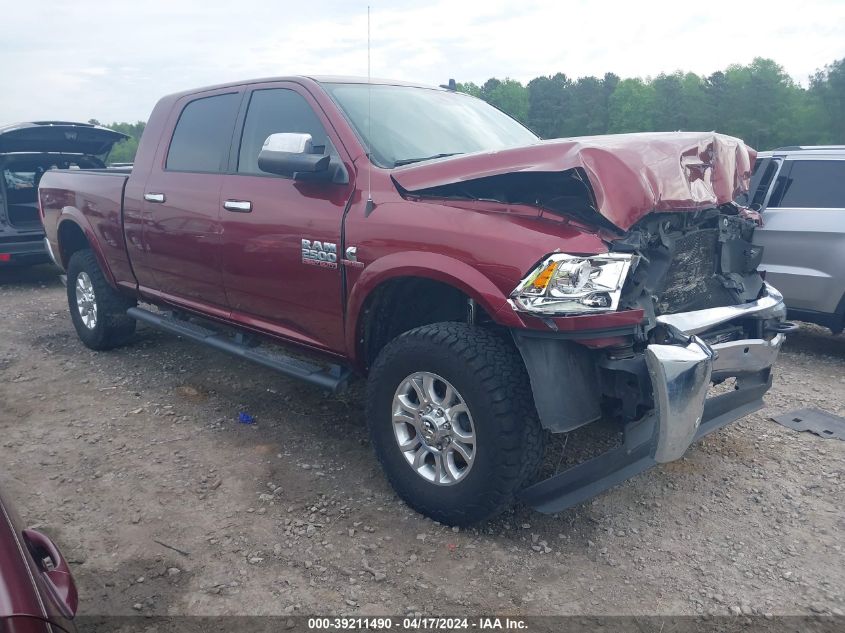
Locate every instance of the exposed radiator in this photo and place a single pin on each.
(690, 283)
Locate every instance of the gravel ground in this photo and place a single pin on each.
(134, 462)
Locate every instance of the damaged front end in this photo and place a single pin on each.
(691, 261)
(708, 317)
(638, 336)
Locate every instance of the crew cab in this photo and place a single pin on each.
(27, 150)
(493, 288)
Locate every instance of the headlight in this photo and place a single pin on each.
(572, 284)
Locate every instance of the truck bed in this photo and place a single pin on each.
(94, 199)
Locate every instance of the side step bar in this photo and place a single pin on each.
(334, 378)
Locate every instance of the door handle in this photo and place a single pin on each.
(154, 197)
(56, 576)
(238, 206)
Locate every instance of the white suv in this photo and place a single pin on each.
(800, 192)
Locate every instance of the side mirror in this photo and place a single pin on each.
(287, 154)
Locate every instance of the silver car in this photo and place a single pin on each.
(800, 192)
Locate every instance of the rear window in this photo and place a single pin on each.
(810, 184)
(202, 136)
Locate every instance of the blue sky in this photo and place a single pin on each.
(113, 60)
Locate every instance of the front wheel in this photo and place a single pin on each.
(452, 421)
(97, 310)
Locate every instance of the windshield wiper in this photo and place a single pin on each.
(408, 161)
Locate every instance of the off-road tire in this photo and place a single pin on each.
(486, 368)
(113, 327)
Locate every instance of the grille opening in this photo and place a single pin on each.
(691, 282)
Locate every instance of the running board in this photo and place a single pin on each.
(334, 378)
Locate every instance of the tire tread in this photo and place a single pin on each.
(494, 360)
(117, 326)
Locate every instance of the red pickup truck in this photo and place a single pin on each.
(492, 287)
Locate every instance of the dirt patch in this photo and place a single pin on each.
(136, 462)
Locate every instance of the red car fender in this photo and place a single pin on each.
(430, 266)
(75, 216)
(58, 581)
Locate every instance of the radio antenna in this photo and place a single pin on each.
(370, 204)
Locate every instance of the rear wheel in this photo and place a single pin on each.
(97, 310)
(452, 421)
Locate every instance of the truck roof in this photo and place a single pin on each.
(318, 79)
(350, 79)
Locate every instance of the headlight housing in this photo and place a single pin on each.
(573, 284)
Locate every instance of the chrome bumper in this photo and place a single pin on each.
(49, 248)
(681, 373)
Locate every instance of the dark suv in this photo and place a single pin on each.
(27, 150)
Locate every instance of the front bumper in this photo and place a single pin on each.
(680, 373)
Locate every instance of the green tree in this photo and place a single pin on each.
(469, 88)
(589, 105)
(508, 95)
(631, 107)
(696, 114)
(548, 104)
(668, 109)
(827, 91)
(124, 152)
(760, 102)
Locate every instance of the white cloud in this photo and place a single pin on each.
(112, 61)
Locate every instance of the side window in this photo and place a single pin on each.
(811, 184)
(764, 171)
(278, 110)
(201, 139)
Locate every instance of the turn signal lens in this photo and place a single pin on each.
(544, 277)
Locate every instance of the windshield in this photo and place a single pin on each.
(411, 124)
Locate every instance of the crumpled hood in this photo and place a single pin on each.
(628, 175)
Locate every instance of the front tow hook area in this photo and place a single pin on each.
(680, 377)
(780, 327)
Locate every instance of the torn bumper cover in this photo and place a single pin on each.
(680, 373)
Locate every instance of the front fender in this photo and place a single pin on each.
(432, 266)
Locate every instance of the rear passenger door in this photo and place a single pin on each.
(803, 233)
(266, 218)
(181, 207)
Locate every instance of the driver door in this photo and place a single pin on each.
(270, 282)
